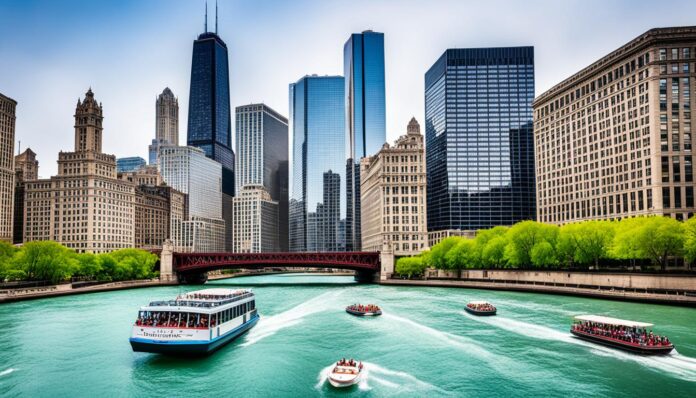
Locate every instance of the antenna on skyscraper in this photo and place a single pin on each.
(215, 16)
(206, 16)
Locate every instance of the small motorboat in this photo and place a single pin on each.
(364, 310)
(480, 308)
(345, 373)
(636, 337)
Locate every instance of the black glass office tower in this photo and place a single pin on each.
(479, 139)
(317, 164)
(363, 66)
(209, 122)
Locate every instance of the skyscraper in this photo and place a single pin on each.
(166, 123)
(363, 68)
(479, 140)
(317, 163)
(262, 157)
(209, 119)
(7, 172)
(26, 169)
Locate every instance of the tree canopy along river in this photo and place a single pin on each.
(423, 345)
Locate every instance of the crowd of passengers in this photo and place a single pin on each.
(631, 335)
(175, 319)
(347, 362)
(481, 307)
(364, 308)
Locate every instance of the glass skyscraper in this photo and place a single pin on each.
(317, 164)
(209, 121)
(363, 67)
(479, 138)
(262, 158)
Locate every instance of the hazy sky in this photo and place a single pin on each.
(51, 52)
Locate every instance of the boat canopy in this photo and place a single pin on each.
(612, 321)
(478, 302)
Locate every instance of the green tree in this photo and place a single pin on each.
(493, 254)
(7, 253)
(523, 236)
(588, 241)
(439, 251)
(483, 237)
(566, 246)
(661, 238)
(45, 260)
(625, 245)
(690, 241)
(410, 266)
(461, 256)
(543, 255)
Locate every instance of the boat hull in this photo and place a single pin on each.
(642, 350)
(196, 347)
(344, 383)
(358, 313)
(479, 313)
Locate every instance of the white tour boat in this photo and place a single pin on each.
(345, 373)
(197, 322)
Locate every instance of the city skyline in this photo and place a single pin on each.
(119, 65)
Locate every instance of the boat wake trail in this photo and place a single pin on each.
(386, 377)
(675, 364)
(272, 324)
(7, 371)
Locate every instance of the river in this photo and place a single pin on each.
(424, 345)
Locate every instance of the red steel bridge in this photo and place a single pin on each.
(193, 267)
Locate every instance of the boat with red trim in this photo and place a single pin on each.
(345, 373)
(364, 310)
(480, 308)
(622, 334)
(197, 322)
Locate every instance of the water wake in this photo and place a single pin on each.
(7, 371)
(386, 377)
(676, 364)
(272, 324)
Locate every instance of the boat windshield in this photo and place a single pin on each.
(170, 319)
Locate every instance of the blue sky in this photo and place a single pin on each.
(51, 52)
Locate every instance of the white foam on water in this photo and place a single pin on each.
(676, 364)
(268, 326)
(7, 371)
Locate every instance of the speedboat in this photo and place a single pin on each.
(197, 322)
(364, 310)
(480, 308)
(345, 373)
(636, 337)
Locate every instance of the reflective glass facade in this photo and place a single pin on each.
(209, 121)
(363, 67)
(479, 138)
(317, 164)
(129, 164)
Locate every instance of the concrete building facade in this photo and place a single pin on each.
(255, 216)
(26, 169)
(393, 195)
(615, 140)
(157, 208)
(7, 172)
(85, 207)
(166, 123)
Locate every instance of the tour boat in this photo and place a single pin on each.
(618, 333)
(197, 322)
(343, 374)
(364, 310)
(480, 308)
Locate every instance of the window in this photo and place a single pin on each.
(663, 54)
(665, 198)
(675, 53)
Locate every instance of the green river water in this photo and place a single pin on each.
(424, 345)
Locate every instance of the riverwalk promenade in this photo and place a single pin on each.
(658, 294)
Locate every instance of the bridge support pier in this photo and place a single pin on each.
(193, 278)
(386, 259)
(167, 262)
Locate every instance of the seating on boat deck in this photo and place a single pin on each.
(632, 335)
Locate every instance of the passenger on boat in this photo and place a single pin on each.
(481, 307)
(364, 308)
(173, 320)
(626, 334)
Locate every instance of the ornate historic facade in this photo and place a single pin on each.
(85, 207)
(26, 169)
(7, 172)
(393, 195)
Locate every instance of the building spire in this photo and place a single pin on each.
(215, 16)
(206, 17)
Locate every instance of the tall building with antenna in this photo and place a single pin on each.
(209, 116)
